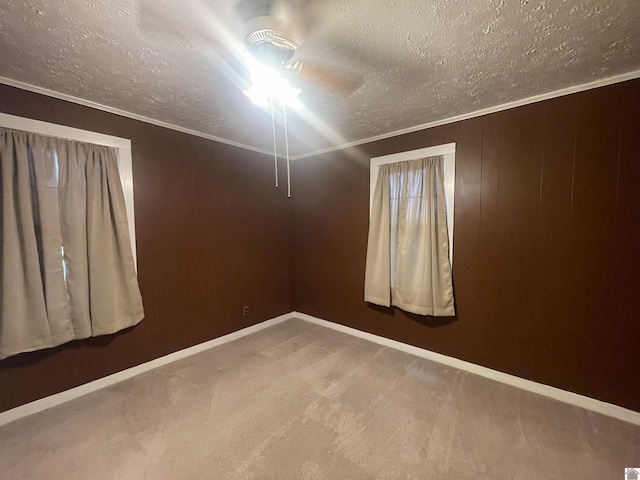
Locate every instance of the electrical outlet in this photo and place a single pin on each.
(245, 310)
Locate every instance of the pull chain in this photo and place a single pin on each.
(275, 152)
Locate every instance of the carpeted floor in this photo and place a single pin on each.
(300, 401)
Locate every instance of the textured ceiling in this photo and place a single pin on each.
(417, 61)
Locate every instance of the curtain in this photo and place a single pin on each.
(408, 248)
(66, 263)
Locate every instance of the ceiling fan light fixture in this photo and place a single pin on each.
(267, 86)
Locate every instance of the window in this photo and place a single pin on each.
(68, 269)
(409, 254)
(448, 151)
(122, 145)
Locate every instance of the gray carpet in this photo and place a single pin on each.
(300, 401)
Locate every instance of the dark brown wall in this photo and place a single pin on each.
(212, 236)
(547, 223)
(547, 226)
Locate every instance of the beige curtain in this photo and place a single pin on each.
(408, 250)
(66, 264)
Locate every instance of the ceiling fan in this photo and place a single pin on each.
(276, 29)
(269, 32)
(265, 58)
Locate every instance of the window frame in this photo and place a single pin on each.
(448, 151)
(122, 146)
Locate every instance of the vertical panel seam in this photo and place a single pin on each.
(539, 269)
(618, 161)
(484, 122)
(573, 164)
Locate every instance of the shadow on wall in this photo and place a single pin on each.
(32, 358)
(425, 320)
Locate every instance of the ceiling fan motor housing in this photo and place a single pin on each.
(267, 42)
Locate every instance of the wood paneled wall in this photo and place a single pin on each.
(212, 236)
(546, 272)
(547, 229)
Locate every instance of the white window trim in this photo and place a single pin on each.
(448, 151)
(123, 146)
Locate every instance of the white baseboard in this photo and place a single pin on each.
(552, 392)
(534, 387)
(63, 397)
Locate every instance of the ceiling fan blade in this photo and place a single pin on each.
(248, 9)
(328, 78)
(309, 13)
(197, 24)
(157, 20)
(295, 19)
(291, 15)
